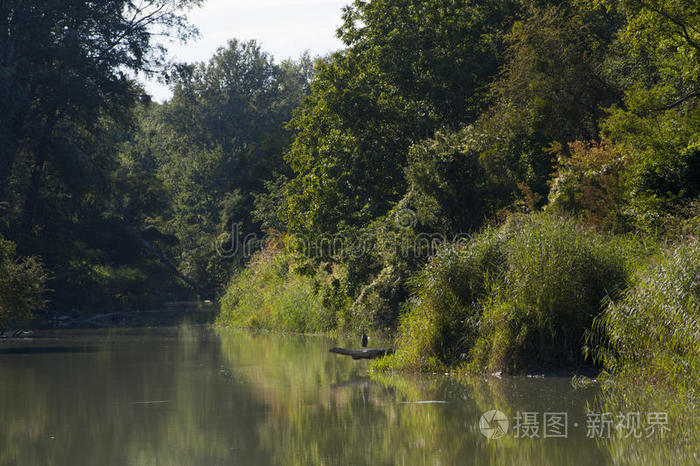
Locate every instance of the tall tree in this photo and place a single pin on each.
(658, 123)
(217, 142)
(410, 67)
(553, 89)
(66, 95)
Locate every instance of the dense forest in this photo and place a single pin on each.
(109, 200)
(499, 184)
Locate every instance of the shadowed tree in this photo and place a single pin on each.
(67, 95)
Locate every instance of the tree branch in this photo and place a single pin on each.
(695, 93)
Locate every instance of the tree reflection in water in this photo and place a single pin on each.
(197, 396)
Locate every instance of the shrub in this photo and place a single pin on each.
(558, 275)
(515, 298)
(273, 293)
(395, 249)
(442, 318)
(590, 183)
(653, 332)
(21, 285)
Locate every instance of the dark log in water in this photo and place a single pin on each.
(370, 353)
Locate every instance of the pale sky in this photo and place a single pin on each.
(284, 28)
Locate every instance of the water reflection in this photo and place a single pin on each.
(324, 411)
(679, 445)
(195, 396)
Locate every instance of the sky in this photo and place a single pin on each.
(283, 28)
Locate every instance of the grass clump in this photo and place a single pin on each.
(653, 331)
(273, 293)
(443, 315)
(558, 275)
(513, 299)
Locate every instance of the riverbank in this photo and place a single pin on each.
(538, 294)
(171, 315)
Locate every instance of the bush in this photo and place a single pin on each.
(515, 298)
(590, 183)
(394, 249)
(443, 314)
(558, 276)
(653, 332)
(21, 286)
(272, 292)
(378, 304)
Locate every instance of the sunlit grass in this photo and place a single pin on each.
(270, 294)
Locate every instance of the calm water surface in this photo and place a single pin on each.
(197, 396)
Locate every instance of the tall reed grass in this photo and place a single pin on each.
(653, 332)
(515, 298)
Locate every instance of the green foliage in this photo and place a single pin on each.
(451, 187)
(379, 302)
(558, 275)
(217, 146)
(666, 29)
(439, 54)
(651, 333)
(552, 90)
(353, 132)
(407, 70)
(57, 137)
(443, 314)
(271, 206)
(591, 183)
(659, 123)
(515, 298)
(665, 160)
(272, 293)
(115, 286)
(21, 286)
(67, 101)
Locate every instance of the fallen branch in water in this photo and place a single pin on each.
(371, 353)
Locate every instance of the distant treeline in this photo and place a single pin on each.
(118, 200)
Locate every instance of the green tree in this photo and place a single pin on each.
(21, 286)
(217, 144)
(410, 67)
(659, 120)
(67, 96)
(553, 89)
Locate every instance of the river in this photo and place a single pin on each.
(194, 395)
